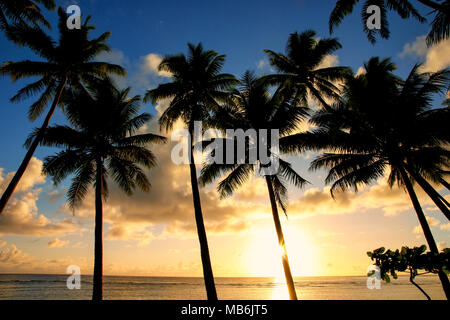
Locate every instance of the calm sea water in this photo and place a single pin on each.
(51, 287)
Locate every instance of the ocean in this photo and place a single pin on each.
(53, 287)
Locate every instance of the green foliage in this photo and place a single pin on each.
(440, 26)
(410, 260)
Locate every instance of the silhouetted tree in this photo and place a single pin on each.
(410, 260)
(23, 12)
(100, 142)
(197, 86)
(252, 107)
(381, 124)
(301, 68)
(69, 63)
(440, 27)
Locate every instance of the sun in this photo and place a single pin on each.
(264, 253)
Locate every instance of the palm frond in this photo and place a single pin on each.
(290, 174)
(84, 177)
(62, 164)
(235, 179)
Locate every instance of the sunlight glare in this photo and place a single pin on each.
(264, 253)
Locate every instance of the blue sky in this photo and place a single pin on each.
(241, 30)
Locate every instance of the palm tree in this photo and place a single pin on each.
(301, 67)
(368, 132)
(100, 142)
(433, 124)
(252, 107)
(440, 27)
(23, 12)
(447, 102)
(195, 90)
(69, 63)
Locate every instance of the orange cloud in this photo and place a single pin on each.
(21, 215)
(56, 243)
(391, 201)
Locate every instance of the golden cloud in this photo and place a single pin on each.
(56, 243)
(380, 196)
(32, 177)
(21, 215)
(152, 61)
(435, 58)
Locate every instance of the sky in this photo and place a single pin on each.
(153, 233)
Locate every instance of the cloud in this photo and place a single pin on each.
(361, 70)
(56, 243)
(21, 215)
(332, 245)
(152, 61)
(55, 195)
(379, 196)
(442, 245)
(14, 260)
(417, 48)
(13, 256)
(167, 210)
(115, 56)
(330, 60)
(435, 58)
(142, 74)
(79, 244)
(432, 222)
(324, 234)
(261, 64)
(169, 203)
(254, 191)
(32, 177)
(445, 227)
(139, 232)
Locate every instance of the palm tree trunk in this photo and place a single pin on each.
(425, 227)
(97, 293)
(433, 194)
(204, 250)
(281, 243)
(37, 140)
(445, 184)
